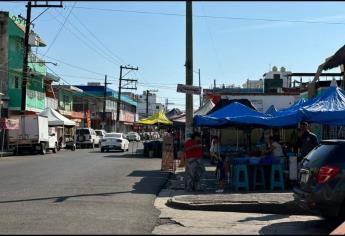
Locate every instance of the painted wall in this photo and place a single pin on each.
(263, 102)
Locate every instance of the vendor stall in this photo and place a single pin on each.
(64, 128)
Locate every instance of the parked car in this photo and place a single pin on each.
(100, 134)
(114, 141)
(86, 137)
(133, 136)
(321, 180)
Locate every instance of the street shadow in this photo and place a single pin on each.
(311, 227)
(150, 183)
(264, 218)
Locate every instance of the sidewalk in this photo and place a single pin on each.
(258, 202)
(231, 213)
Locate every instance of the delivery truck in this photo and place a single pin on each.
(32, 134)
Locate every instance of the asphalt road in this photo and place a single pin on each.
(81, 192)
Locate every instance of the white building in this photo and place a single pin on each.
(263, 101)
(151, 101)
(281, 74)
(253, 83)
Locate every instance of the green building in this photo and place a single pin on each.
(12, 31)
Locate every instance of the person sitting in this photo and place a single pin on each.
(274, 147)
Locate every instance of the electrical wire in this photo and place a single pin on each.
(118, 58)
(86, 43)
(213, 17)
(58, 33)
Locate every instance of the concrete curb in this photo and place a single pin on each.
(288, 208)
(6, 154)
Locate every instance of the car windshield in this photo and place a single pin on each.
(113, 135)
(83, 131)
(99, 133)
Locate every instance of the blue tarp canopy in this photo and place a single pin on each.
(225, 115)
(327, 108)
(272, 109)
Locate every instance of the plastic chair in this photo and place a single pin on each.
(240, 170)
(259, 177)
(277, 171)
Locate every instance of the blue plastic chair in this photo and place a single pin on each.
(277, 171)
(259, 177)
(240, 174)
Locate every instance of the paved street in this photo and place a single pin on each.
(82, 192)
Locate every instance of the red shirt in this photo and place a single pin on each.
(195, 152)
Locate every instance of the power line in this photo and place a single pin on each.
(61, 27)
(86, 43)
(213, 17)
(99, 41)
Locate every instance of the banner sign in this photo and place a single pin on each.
(188, 89)
(11, 124)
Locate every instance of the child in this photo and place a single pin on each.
(221, 173)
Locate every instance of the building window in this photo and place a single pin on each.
(16, 82)
(276, 76)
(157, 107)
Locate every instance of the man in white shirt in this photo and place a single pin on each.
(275, 148)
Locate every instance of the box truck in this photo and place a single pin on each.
(32, 134)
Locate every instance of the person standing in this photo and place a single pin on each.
(194, 167)
(306, 141)
(274, 147)
(214, 150)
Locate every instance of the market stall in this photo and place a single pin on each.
(154, 148)
(253, 170)
(63, 127)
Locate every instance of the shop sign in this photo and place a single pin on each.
(188, 89)
(88, 119)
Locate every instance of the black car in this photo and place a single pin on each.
(321, 183)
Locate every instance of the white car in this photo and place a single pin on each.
(87, 136)
(114, 141)
(100, 134)
(133, 136)
(53, 143)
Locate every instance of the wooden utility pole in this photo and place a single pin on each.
(200, 88)
(26, 46)
(26, 55)
(189, 67)
(129, 81)
(104, 101)
(147, 103)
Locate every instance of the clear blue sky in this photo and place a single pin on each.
(228, 50)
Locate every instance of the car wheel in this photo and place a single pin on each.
(55, 148)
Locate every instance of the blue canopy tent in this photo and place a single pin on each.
(272, 109)
(327, 108)
(225, 115)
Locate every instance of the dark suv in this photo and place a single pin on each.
(321, 182)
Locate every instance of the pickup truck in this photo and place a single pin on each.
(32, 134)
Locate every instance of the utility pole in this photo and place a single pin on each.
(147, 100)
(200, 88)
(167, 104)
(104, 100)
(129, 81)
(189, 67)
(147, 103)
(28, 22)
